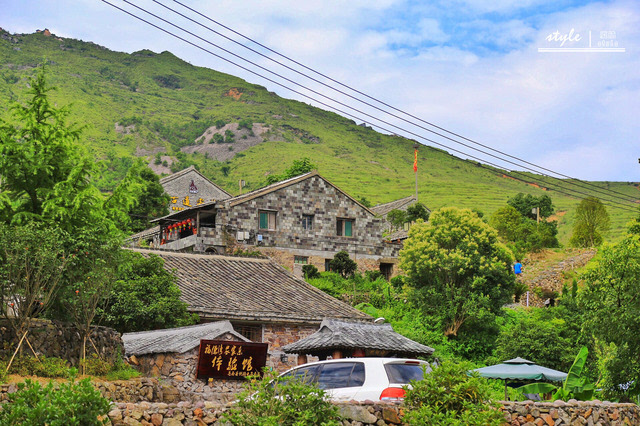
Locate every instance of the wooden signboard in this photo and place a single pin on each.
(222, 359)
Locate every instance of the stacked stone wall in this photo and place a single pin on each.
(388, 414)
(57, 339)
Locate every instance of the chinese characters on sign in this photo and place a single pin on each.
(220, 359)
(186, 202)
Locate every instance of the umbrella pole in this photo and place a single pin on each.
(506, 395)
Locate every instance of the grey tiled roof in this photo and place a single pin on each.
(337, 334)
(144, 234)
(397, 235)
(176, 175)
(178, 340)
(250, 289)
(401, 204)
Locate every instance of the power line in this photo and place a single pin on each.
(316, 100)
(626, 197)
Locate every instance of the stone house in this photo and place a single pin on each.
(302, 220)
(263, 301)
(189, 188)
(172, 355)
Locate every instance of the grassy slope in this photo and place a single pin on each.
(105, 87)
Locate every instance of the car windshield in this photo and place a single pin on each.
(403, 373)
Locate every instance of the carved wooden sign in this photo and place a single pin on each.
(222, 359)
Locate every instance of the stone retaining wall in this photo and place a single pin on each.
(56, 339)
(526, 413)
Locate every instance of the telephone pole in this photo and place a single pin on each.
(415, 166)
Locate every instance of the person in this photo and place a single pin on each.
(517, 268)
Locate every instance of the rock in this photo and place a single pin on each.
(390, 415)
(156, 419)
(357, 414)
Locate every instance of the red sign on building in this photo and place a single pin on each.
(221, 359)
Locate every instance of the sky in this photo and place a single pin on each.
(472, 67)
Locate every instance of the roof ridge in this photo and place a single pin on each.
(199, 255)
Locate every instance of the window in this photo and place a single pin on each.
(301, 259)
(344, 227)
(307, 221)
(305, 374)
(341, 375)
(327, 265)
(251, 332)
(267, 220)
(387, 270)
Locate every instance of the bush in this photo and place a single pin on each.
(310, 272)
(343, 265)
(229, 136)
(94, 366)
(273, 401)
(220, 124)
(245, 123)
(72, 403)
(218, 138)
(450, 396)
(42, 367)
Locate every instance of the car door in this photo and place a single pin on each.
(341, 380)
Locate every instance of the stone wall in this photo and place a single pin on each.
(180, 191)
(388, 413)
(56, 339)
(278, 335)
(574, 412)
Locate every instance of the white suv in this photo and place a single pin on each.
(360, 379)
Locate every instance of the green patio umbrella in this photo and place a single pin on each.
(520, 369)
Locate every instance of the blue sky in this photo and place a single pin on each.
(471, 66)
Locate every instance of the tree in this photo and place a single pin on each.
(459, 269)
(592, 222)
(417, 211)
(525, 233)
(610, 305)
(152, 201)
(32, 263)
(144, 297)
(397, 218)
(526, 203)
(343, 265)
(298, 168)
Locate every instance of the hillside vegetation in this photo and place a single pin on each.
(157, 106)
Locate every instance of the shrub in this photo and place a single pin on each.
(42, 367)
(72, 403)
(245, 123)
(343, 265)
(310, 272)
(217, 138)
(220, 124)
(274, 401)
(450, 396)
(94, 366)
(229, 136)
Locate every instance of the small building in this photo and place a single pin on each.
(189, 188)
(264, 302)
(345, 339)
(382, 210)
(172, 355)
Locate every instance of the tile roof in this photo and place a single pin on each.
(250, 289)
(181, 339)
(186, 171)
(401, 204)
(340, 334)
(397, 235)
(144, 234)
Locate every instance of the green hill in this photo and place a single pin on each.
(162, 108)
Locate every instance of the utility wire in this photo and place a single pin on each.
(626, 197)
(307, 96)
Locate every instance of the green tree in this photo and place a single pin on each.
(592, 223)
(144, 297)
(459, 269)
(343, 264)
(610, 304)
(397, 218)
(417, 211)
(526, 203)
(298, 168)
(450, 396)
(152, 201)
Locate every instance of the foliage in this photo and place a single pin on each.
(42, 366)
(397, 218)
(71, 403)
(272, 401)
(152, 201)
(144, 297)
(524, 233)
(610, 305)
(592, 222)
(458, 268)
(32, 264)
(310, 272)
(417, 211)
(525, 204)
(449, 395)
(298, 168)
(343, 264)
(576, 386)
(245, 123)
